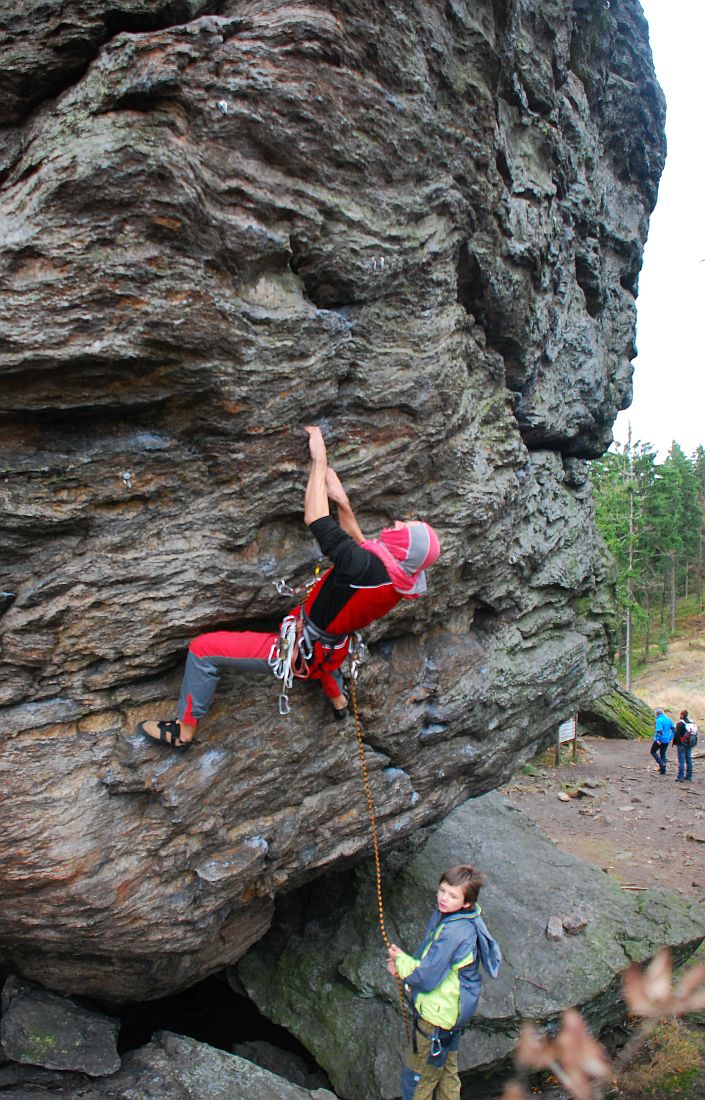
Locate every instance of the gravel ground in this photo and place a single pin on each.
(645, 829)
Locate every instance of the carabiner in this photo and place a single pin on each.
(358, 654)
(284, 705)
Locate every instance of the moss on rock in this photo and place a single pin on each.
(617, 714)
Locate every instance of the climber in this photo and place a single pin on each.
(367, 579)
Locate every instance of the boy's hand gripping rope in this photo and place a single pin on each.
(356, 658)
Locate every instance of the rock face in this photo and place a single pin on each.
(419, 226)
(320, 970)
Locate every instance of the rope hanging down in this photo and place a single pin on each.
(354, 664)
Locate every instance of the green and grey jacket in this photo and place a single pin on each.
(444, 974)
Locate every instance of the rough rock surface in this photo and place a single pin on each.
(320, 970)
(617, 714)
(281, 1062)
(419, 224)
(170, 1066)
(42, 1029)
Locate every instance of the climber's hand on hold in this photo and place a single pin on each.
(316, 443)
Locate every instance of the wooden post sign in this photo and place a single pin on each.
(567, 731)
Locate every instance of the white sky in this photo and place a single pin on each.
(669, 381)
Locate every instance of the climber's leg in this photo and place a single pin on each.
(245, 650)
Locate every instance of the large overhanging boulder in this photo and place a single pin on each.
(320, 970)
(421, 227)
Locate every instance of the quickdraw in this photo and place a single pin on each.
(357, 654)
(289, 657)
(284, 588)
(290, 654)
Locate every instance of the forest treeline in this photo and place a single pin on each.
(651, 515)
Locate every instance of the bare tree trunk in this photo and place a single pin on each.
(672, 594)
(647, 628)
(663, 601)
(630, 594)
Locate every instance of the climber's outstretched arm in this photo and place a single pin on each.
(316, 498)
(323, 486)
(346, 516)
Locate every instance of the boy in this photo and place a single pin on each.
(444, 981)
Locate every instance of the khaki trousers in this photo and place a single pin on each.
(421, 1081)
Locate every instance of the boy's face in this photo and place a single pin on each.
(450, 899)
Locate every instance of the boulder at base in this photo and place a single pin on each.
(320, 970)
(170, 1066)
(42, 1029)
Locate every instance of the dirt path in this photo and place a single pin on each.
(630, 821)
(645, 829)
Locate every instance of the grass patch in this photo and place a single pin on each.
(547, 758)
(669, 1068)
(690, 619)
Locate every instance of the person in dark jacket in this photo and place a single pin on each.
(367, 578)
(443, 979)
(684, 748)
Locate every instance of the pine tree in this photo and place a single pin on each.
(652, 517)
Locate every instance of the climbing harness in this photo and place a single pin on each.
(293, 654)
(357, 657)
(440, 1037)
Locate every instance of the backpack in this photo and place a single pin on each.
(690, 737)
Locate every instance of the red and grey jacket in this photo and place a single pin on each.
(355, 591)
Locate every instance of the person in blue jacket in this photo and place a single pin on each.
(663, 735)
(443, 980)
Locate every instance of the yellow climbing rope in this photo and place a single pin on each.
(375, 842)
